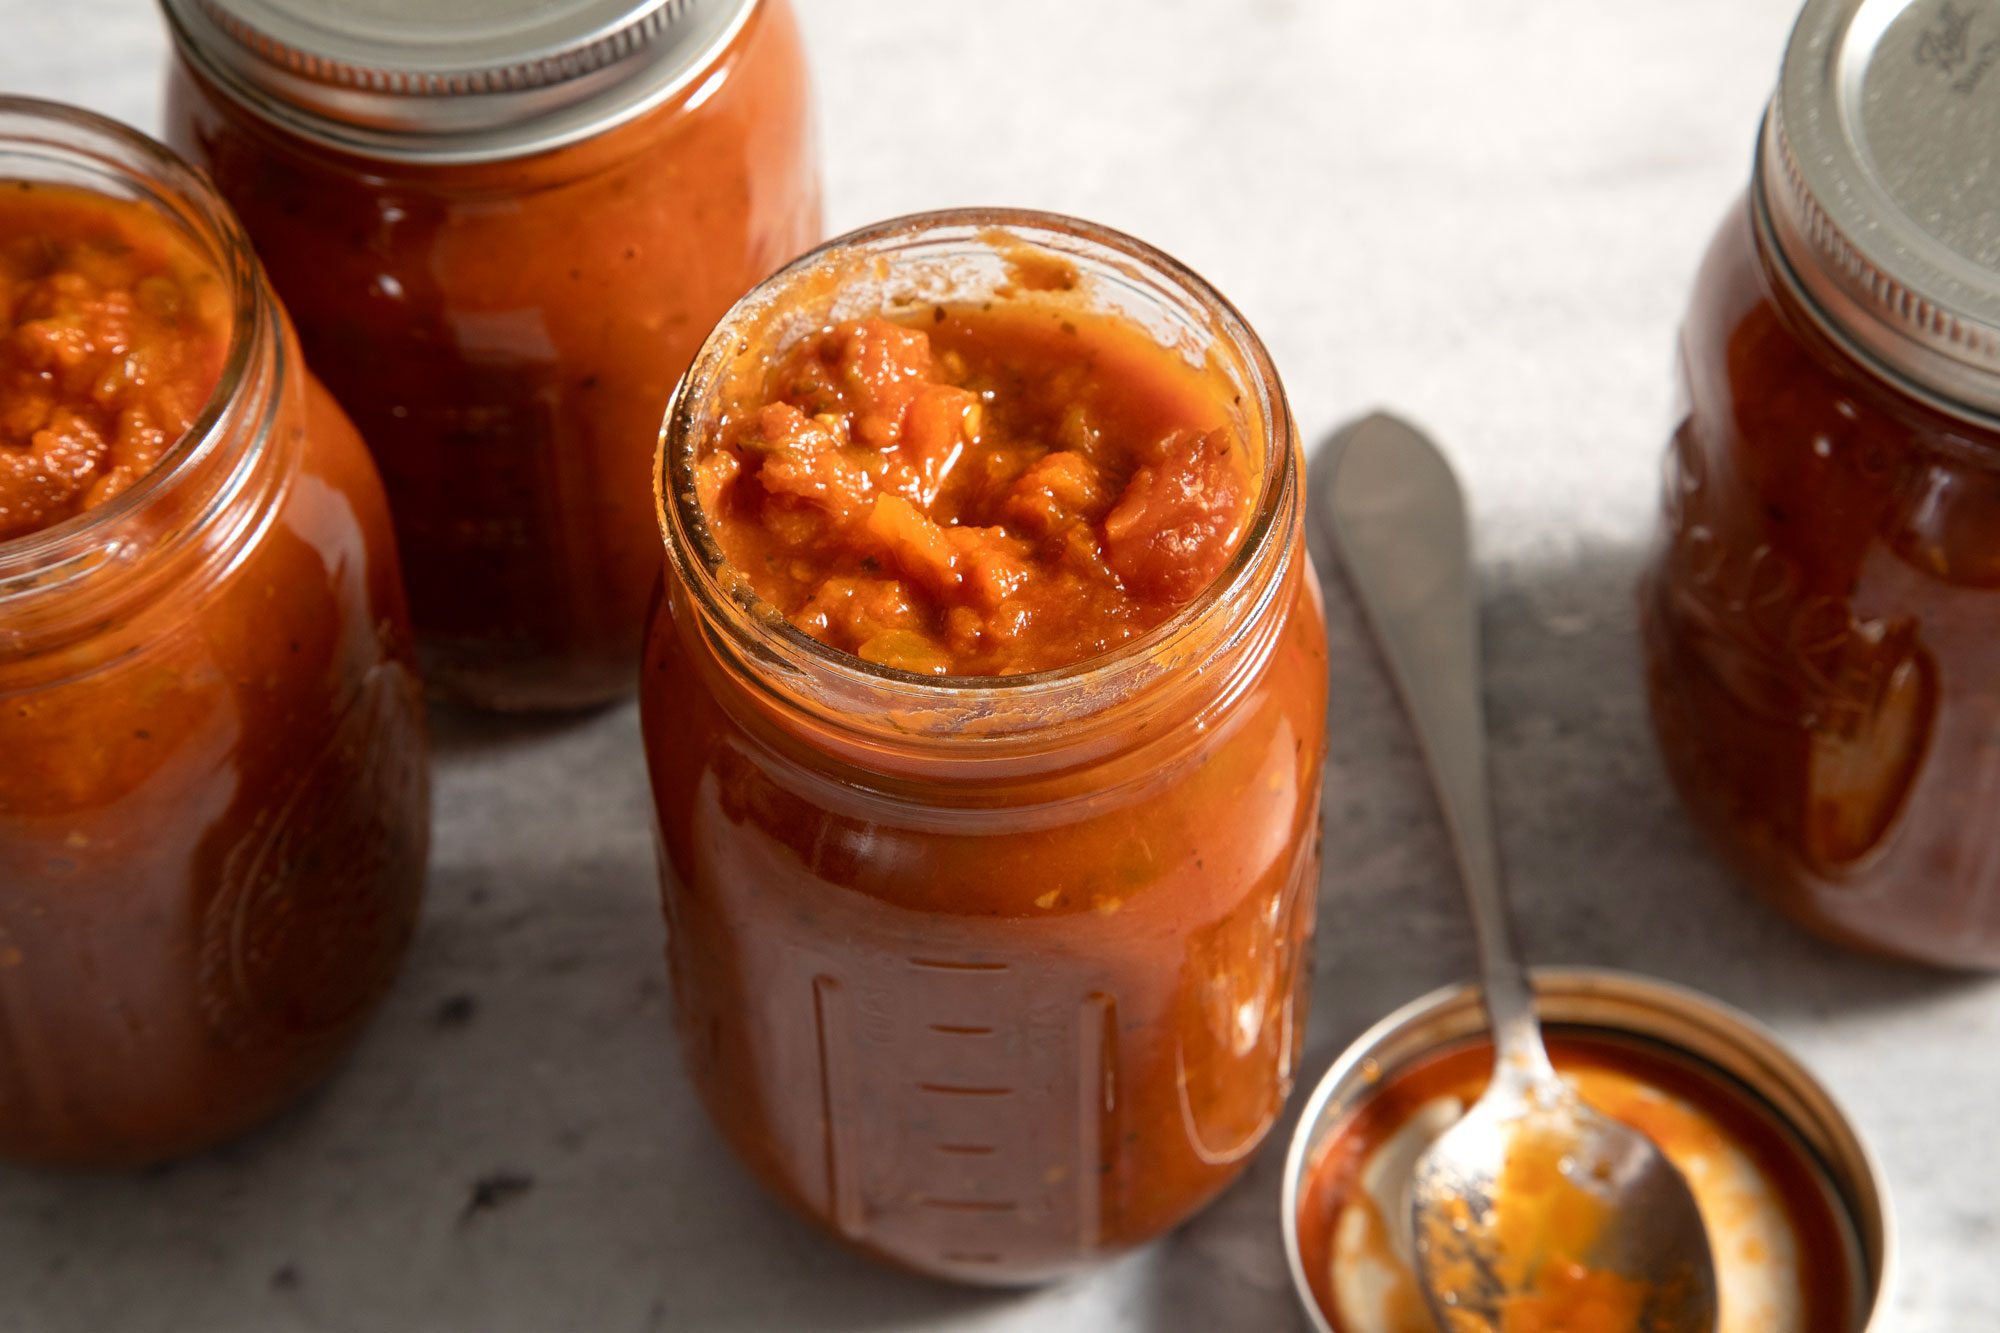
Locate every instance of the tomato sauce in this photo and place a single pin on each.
(112, 337)
(982, 492)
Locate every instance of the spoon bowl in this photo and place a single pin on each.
(1553, 1207)
(1534, 1212)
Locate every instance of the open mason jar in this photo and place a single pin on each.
(991, 976)
(214, 794)
(504, 230)
(1822, 619)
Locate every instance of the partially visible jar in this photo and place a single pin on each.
(214, 793)
(1822, 619)
(503, 236)
(991, 976)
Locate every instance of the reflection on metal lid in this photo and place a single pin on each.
(452, 80)
(1708, 1044)
(1879, 181)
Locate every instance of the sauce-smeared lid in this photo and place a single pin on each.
(1878, 182)
(452, 80)
(1715, 1051)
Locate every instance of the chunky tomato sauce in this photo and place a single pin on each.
(112, 337)
(980, 491)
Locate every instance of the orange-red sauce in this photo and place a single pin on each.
(982, 490)
(112, 338)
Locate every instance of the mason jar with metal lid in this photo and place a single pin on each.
(504, 228)
(1822, 615)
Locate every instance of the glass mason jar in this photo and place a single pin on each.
(990, 976)
(1822, 617)
(503, 236)
(214, 794)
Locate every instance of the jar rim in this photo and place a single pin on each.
(754, 624)
(107, 151)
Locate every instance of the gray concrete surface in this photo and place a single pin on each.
(1484, 213)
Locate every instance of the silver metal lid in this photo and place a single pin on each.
(452, 80)
(1729, 1051)
(1880, 183)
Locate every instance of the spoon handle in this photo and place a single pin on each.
(1399, 520)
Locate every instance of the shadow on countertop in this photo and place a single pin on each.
(458, 733)
(513, 1149)
(1604, 870)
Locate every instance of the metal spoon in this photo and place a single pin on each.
(1399, 520)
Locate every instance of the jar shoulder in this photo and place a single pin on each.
(1793, 446)
(1192, 814)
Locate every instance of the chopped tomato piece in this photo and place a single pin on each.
(882, 369)
(993, 564)
(1179, 520)
(938, 425)
(917, 545)
(803, 456)
(1057, 490)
